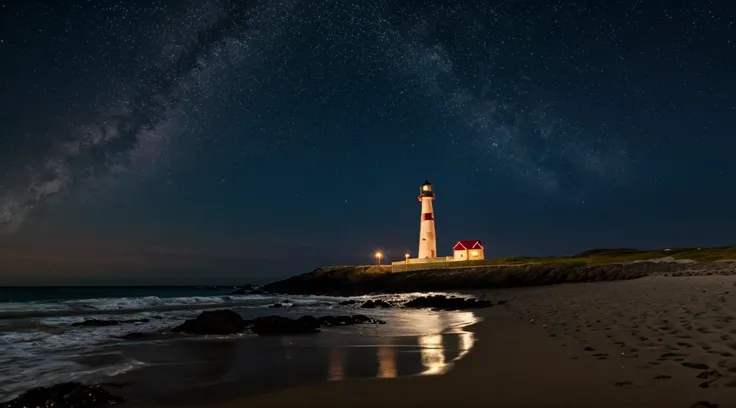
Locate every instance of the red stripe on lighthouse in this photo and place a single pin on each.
(428, 217)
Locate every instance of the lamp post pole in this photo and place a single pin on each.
(378, 257)
(406, 257)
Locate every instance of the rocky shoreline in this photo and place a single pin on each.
(363, 280)
(227, 322)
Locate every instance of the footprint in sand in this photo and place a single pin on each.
(711, 376)
(623, 383)
(697, 366)
(663, 377)
(670, 355)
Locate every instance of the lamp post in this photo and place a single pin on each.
(379, 255)
(406, 257)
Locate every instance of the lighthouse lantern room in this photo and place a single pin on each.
(427, 236)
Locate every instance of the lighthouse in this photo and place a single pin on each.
(427, 236)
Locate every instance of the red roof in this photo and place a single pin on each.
(463, 245)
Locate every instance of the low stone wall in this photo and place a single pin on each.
(416, 264)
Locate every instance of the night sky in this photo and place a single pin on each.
(238, 141)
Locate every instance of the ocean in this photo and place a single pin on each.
(41, 346)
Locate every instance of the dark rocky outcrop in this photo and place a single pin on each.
(229, 322)
(223, 321)
(363, 280)
(441, 302)
(65, 395)
(103, 323)
(329, 321)
(277, 325)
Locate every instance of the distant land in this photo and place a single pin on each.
(589, 266)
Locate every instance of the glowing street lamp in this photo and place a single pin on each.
(406, 256)
(379, 255)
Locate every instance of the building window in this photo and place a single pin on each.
(474, 253)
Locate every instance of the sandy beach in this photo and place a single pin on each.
(650, 342)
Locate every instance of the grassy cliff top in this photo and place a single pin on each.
(590, 257)
(619, 255)
(589, 266)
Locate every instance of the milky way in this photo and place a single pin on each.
(196, 47)
(449, 56)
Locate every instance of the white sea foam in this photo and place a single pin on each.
(124, 304)
(40, 346)
(23, 375)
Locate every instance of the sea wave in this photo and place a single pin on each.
(16, 377)
(124, 305)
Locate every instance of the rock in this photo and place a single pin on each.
(65, 395)
(378, 303)
(442, 302)
(275, 325)
(276, 305)
(213, 322)
(328, 321)
(102, 323)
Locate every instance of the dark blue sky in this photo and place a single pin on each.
(224, 141)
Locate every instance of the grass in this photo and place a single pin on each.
(597, 257)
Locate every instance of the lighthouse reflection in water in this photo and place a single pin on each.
(428, 354)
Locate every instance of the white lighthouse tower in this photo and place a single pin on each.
(427, 236)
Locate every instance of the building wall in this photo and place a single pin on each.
(468, 254)
(476, 254)
(419, 263)
(427, 235)
(438, 263)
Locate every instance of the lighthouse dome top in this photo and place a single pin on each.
(426, 186)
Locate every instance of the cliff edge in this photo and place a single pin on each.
(361, 280)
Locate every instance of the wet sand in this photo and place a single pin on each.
(203, 372)
(651, 342)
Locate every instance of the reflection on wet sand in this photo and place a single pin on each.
(466, 343)
(386, 362)
(433, 351)
(335, 370)
(433, 354)
(430, 354)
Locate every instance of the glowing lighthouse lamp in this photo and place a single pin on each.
(427, 236)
